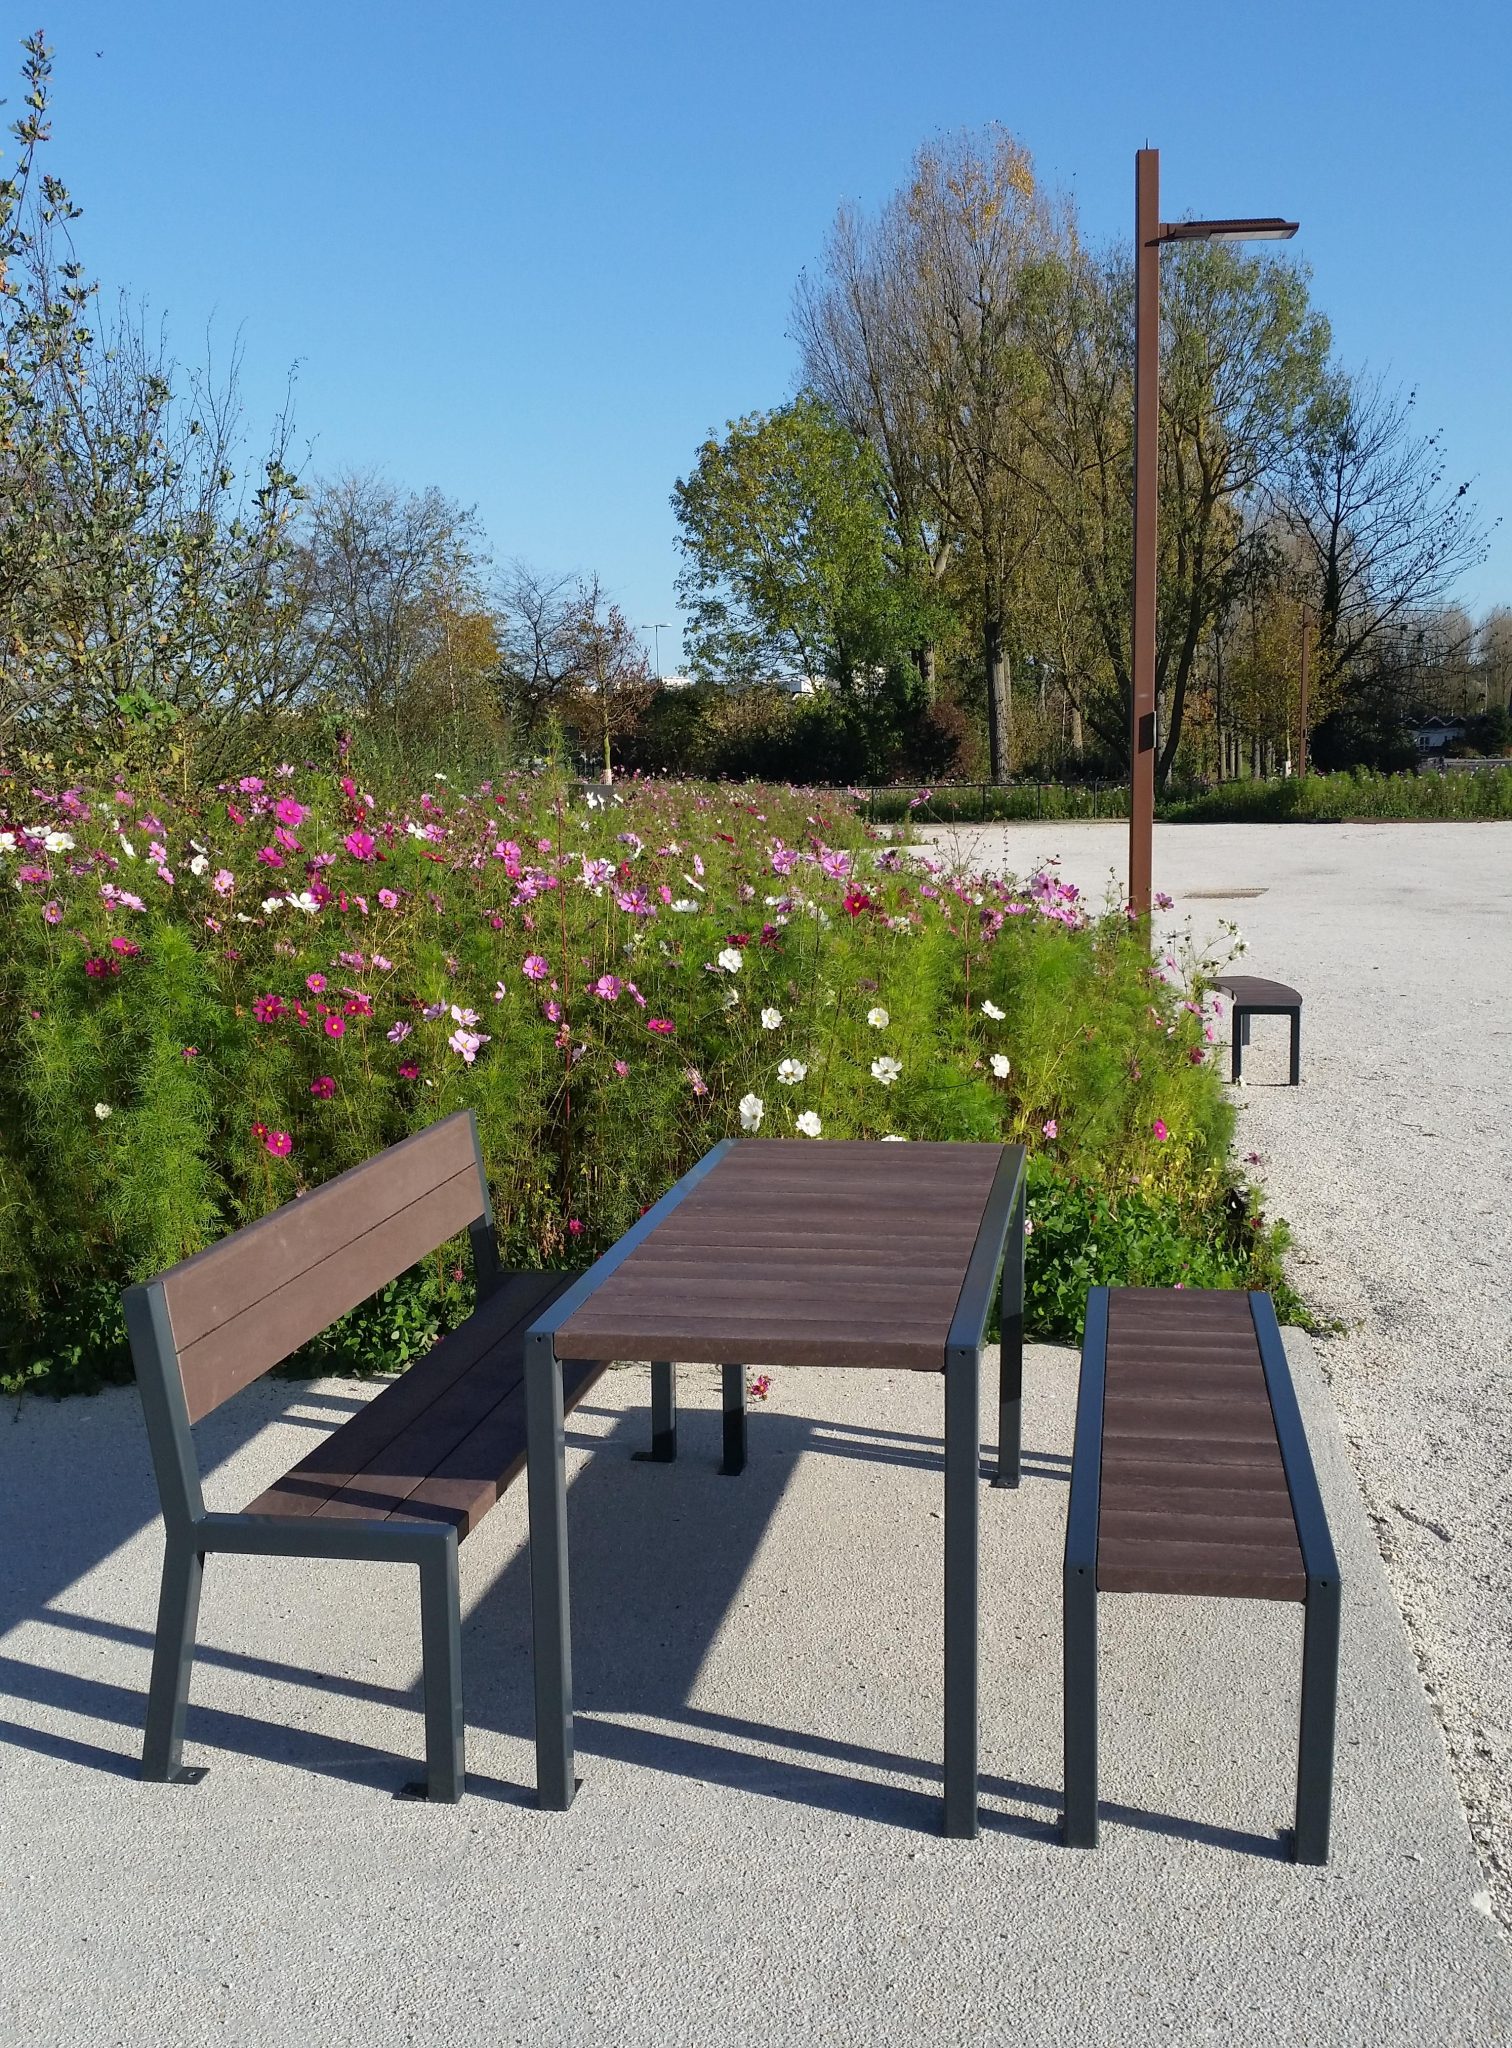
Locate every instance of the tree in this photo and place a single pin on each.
(568, 657)
(390, 586)
(1382, 535)
(140, 567)
(784, 547)
(613, 681)
(918, 335)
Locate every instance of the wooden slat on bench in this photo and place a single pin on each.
(353, 1473)
(1193, 1494)
(254, 1298)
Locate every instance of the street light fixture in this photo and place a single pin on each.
(658, 627)
(1150, 231)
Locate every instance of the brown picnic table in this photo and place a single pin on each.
(795, 1253)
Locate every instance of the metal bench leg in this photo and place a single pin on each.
(1011, 1354)
(1296, 1048)
(734, 1386)
(1238, 1037)
(551, 1630)
(663, 1414)
(1315, 1747)
(963, 1461)
(1079, 1705)
(441, 1650)
(172, 1662)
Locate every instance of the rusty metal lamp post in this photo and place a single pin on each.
(1150, 231)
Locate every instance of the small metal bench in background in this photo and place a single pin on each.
(1251, 995)
(1191, 1474)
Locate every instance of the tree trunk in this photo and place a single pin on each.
(924, 661)
(999, 700)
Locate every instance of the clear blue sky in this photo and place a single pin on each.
(533, 253)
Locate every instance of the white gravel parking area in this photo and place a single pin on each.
(1393, 1164)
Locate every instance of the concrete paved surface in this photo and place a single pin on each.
(752, 1857)
(1393, 1163)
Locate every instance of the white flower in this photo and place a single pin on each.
(1000, 1065)
(684, 903)
(272, 903)
(127, 848)
(893, 1139)
(102, 1110)
(304, 901)
(752, 1110)
(991, 1010)
(878, 1018)
(59, 842)
(729, 959)
(771, 1019)
(199, 865)
(886, 1070)
(792, 1072)
(7, 842)
(809, 1124)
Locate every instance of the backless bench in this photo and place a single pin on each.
(1251, 995)
(410, 1475)
(1191, 1474)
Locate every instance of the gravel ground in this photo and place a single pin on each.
(1393, 1164)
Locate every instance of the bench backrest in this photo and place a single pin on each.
(245, 1304)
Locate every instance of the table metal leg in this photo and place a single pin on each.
(1011, 1352)
(545, 1462)
(734, 1389)
(962, 1498)
(663, 1412)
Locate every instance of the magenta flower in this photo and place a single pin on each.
(315, 983)
(409, 1071)
(534, 968)
(288, 812)
(270, 856)
(323, 1087)
(334, 1027)
(360, 845)
(662, 1026)
(574, 1227)
(267, 1008)
(279, 1143)
(1160, 1131)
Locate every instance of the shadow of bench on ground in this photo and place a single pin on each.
(658, 1557)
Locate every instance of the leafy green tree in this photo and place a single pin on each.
(784, 541)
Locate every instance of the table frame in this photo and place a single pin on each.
(996, 1265)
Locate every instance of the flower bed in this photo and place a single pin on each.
(213, 1005)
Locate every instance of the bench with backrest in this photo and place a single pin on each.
(1191, 1474)
(410, 1475)
(1252, 995)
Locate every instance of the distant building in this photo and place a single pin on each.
(1432, 735)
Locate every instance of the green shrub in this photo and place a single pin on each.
(215, 1004)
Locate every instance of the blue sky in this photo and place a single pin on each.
(533, 254)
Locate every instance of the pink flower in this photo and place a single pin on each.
(1159, 1130)
(534, 968)
(388, 899)
(574, 1227)
(279, 1143)
(125, 948)
(323, 1087)
(315, 983)
(607, 988)
(267, 1008)
(552, 1011)
(288, 812)
(761, 1386)
(334, 1027)
(191, 1052)
(1162, 901)
(397, 1033)
(1050, 1128)
(360, 845)
(662, 1026)
(223, 882)
(621, 1068)
(270, 856)
(696, 1081)
(53, 913)
(409, 1071)
(467, 1043)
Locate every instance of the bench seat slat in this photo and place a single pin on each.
(1193, 1491)
(373, 1464)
